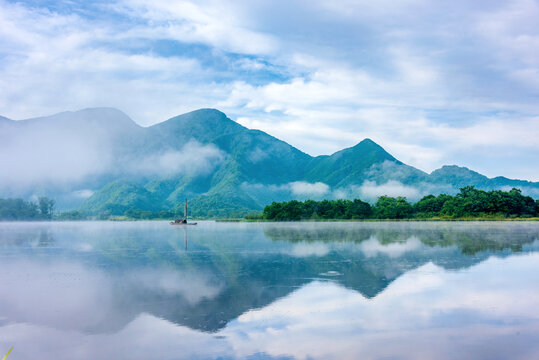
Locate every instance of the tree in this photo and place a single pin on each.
(46, 207)
(358, 209)
(17, 209)
(393, 208)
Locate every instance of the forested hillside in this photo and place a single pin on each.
(100, 162)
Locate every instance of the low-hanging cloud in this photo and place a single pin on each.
(526, 190)
(37, 155)
(194, 159)
(70, 151)
(369, 190)
(258, 155)
(292, 190)
(303, 188)
(82, 194)
(391, 170)
(425, 106)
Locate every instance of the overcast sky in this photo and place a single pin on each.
(433, 82)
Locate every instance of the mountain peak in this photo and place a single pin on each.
(208, 112)
(367, 148)
(366, 141)
(103, 117)
(206, 115)
(348, 165)
(367, 144)
(203, 125)
(101, 111)
(454, 169)
(87, 112)
(458, 176)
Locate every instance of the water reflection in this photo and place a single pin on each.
(238, 290)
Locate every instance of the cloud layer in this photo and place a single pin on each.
(36, 155)
(194, 159)
(434, 83)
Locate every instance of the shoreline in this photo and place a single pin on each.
(483, 219)
(466, 219)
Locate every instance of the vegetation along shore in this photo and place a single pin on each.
(469, 204)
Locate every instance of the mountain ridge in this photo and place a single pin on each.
(225, 168)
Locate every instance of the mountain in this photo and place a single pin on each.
(355, 165)
(462, 176)
(101, 161)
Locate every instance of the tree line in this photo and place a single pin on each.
(18, 209)
(468, 203)
(149, 215)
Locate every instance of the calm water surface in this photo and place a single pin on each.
(147, 290)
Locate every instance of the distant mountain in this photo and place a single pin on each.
(462, 176)
(101, 161)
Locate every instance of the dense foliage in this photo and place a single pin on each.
(18, 209)
(325, 209)
(224, 169)
(469, 202)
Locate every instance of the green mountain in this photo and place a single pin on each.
(101, 161)
(365, 161)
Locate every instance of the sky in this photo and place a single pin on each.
(433, 82)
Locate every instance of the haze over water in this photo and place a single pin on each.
(147, 290)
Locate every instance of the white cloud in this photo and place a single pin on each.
(209, 23)
(194, 159)
(66, 154)
(83, 194)
(302, 188)
(56, 62)
(257, 155)
(41, 155)
(400, 74)
(369, 190)
(511, 33)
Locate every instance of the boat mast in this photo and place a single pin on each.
(185, 213)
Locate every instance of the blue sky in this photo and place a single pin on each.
(433, 82)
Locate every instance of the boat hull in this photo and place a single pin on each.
(180, 224)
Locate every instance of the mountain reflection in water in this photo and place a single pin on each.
(242, 289)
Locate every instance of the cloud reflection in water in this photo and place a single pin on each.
(116, 291)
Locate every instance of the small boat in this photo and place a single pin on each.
(181, 223)
(184, 220)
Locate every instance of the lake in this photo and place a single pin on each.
(331, 290)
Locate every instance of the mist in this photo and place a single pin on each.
(37, 155)
(194, 159)
(370, 191)
(303, 188)
(71, 152)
